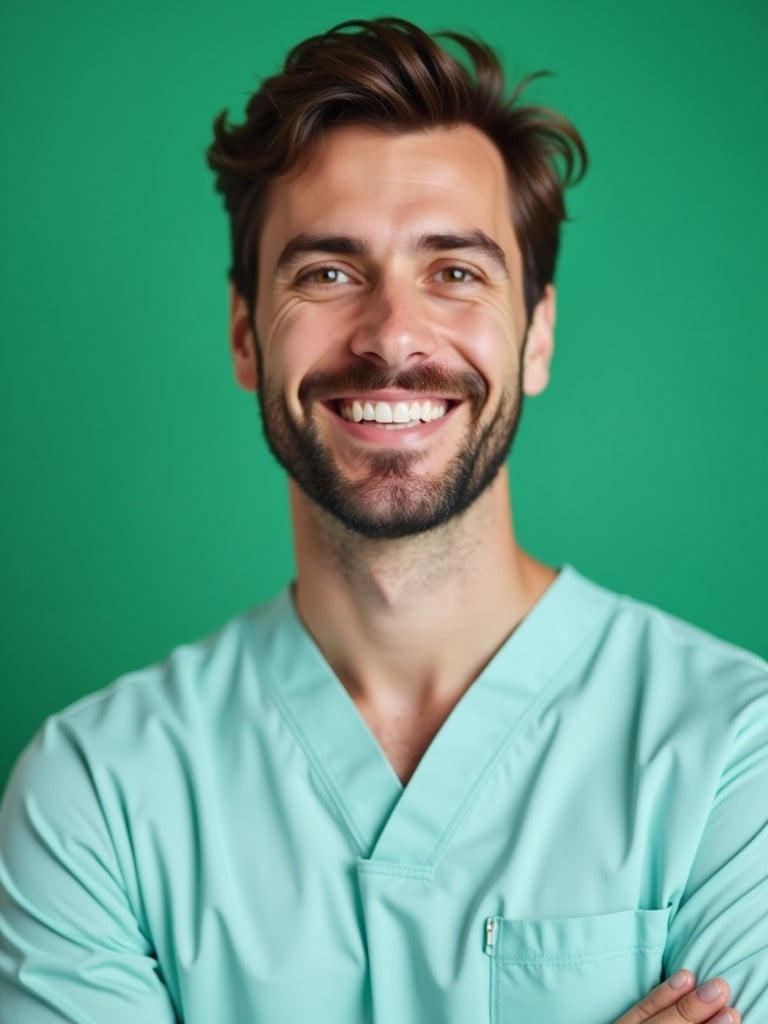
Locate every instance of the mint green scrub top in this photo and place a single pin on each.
(220, 840)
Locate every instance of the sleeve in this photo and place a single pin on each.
(721, 924)
(72, 949)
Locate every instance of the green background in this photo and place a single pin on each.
(140, 508)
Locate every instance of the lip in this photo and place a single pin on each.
(393, 395)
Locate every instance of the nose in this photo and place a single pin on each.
(393, 329)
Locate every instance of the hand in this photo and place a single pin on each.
(677, 1001)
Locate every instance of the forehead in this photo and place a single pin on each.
(386, 187)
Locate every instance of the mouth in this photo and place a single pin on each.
(391, 415)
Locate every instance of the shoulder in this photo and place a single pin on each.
(648, 626)
(196, 679)
(670, 659)
(697, 653)
(150, 730)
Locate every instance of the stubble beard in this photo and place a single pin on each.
(393, 500)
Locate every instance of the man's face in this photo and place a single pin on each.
(390, 325)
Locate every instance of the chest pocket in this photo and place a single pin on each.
(584, 970)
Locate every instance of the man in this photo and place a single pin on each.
(435, 781)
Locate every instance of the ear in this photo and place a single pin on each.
(540, 344)
(242, 342)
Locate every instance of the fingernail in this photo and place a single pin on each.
(711, 991)
(679, 979)
(724, 1017)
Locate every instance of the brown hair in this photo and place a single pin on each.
(390, 74)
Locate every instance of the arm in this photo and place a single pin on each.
(72, 945)
(72, 949)
(721, 923)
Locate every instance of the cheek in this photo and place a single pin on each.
(489, 341)
(300, 341)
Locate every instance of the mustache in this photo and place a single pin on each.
(323, 385)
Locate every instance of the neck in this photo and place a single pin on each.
(410, 623)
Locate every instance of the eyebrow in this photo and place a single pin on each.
(475, 241)
(336, 245)
(347, 245)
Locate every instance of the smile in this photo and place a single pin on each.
(392, 415)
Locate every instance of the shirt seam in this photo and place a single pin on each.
(554, 959)
(491, 765)
(344, 812)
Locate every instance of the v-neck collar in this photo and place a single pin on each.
(411, 825)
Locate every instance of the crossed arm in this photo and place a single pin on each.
(75, 951)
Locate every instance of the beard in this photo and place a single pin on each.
(394, 500)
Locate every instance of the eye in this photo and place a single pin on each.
(324, 275)
(455, 275)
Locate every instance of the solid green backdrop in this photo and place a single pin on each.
(140, 508)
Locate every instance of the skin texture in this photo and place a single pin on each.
(389, 269)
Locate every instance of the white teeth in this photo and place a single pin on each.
(384, 413)
(393, 413)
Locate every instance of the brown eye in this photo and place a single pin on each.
(325, 275)
(455, 275)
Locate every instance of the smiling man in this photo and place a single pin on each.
(423, 289)
(435, 781)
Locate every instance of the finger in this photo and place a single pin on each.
(660, 998)
(705, 1005)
